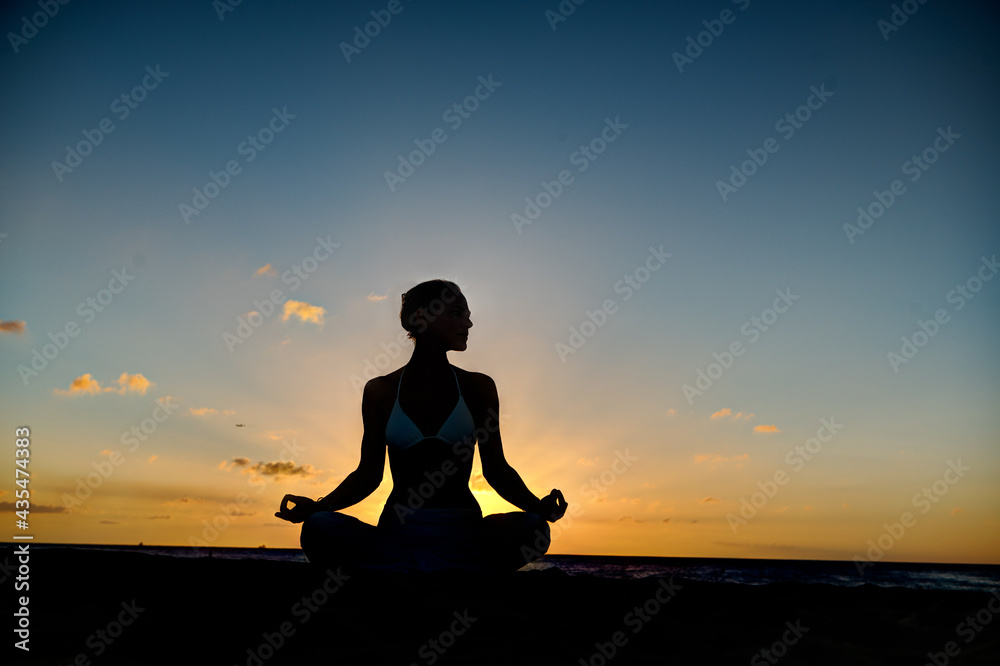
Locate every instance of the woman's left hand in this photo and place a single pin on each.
(302, 508)
(552, 506)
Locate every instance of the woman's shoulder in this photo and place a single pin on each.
(377, 387)
(480, 382)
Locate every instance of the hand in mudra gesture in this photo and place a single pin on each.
(552, 506)
(302, 508)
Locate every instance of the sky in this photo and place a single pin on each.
(730, 264)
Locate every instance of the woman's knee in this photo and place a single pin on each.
(321, 525)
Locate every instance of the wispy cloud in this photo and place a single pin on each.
(266, 269)
(375, 297)
(304, 311)
(210, 411)
(725, 412)
(709, 500)
(766, 428)
(12, 327)
(86, 384)
(714, 459)
(275, 469)
(35, 508)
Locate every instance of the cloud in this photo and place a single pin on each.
(304, 311)
(283, 468)
(203, 411)
(266, 269)
(12, 327)
(136, 383)
(714, 459)
(671, 412)
(227, 465)
(709, 500)
(152, 459)
(276, 468)
(184, 500)
(86, 384)
(725, 412)
(375, 297)
(35, 508)
(158, 518)
(766, 428)
(957, 510)
(210, 411)
(665, 520)
(82, 384)
(110, 522)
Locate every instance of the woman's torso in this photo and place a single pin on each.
(430, 436)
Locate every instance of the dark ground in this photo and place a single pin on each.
(212, 611)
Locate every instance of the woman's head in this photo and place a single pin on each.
(437, 304)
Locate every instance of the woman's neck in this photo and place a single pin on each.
(428, 358)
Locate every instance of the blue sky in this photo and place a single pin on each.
(553, 91)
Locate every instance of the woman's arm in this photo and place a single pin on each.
(360, 483)
(366, 479)
(497, 471)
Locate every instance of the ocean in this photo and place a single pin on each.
(973, 577)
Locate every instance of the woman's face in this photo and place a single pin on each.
(448, 322)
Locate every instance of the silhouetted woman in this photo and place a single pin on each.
(430, 415)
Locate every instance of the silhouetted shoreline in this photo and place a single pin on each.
(253, 612)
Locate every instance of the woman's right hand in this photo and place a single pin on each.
(302, 508)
